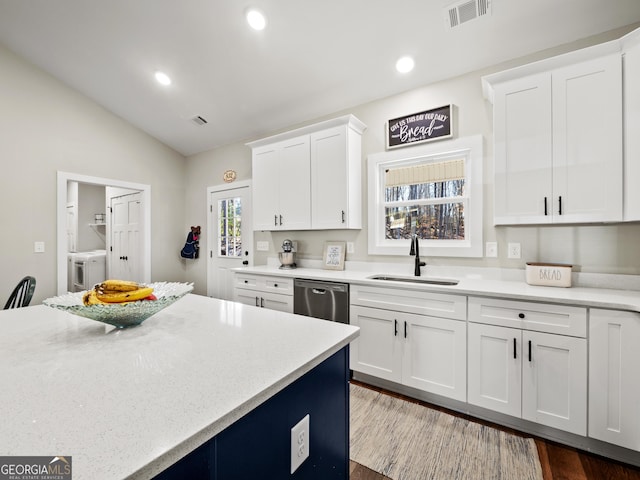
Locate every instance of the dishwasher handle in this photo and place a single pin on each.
(321, 287)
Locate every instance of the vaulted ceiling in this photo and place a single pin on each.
(313, 58)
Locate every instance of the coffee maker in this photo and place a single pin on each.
(287, 255)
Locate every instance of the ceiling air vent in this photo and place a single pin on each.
(461, 12)
(198, 120)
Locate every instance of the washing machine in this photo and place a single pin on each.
(89, 268)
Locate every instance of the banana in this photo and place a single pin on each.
(91, 298)
(120, 297)
(113, 286)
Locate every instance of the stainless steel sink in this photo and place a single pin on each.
(424, 280)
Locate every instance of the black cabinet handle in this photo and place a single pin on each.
(280, 219)
(262, 302)
(515, 352)
(529, 350)
(275, 285)
(560, 205)
(246, 281)
(405, 329)
(342, 216)
(257, 302)
(275, 220)
(521, 315)
(395, 328)
(245, 262)
(545, 206)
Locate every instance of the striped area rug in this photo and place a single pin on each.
(406, 441)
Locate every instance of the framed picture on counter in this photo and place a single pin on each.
(333, 256)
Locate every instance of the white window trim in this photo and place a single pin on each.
(472, 148)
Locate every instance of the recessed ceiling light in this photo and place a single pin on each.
(256, 19)
(163, 78)
(405, 64)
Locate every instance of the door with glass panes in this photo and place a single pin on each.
(230, 236)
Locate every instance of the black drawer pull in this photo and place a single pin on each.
(529, 350)
(560, 205)
(545, 206)
(521, 315)
(405, 329)
(395, 328)
(515, 352)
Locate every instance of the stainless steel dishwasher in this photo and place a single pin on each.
(326, 300)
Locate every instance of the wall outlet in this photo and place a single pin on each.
(491, 249)
(513, 250)
(350, 247)
(262, 246)
(38, 247)
(299, 443)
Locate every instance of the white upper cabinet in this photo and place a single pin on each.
(558, 139)
(336, 166)
(309, 178)
(631, 80)
(281, 178)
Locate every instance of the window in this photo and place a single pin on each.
(433, 191)
(229, 228)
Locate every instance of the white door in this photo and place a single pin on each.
(125, 255)
(495, 368)
(378, 349)
(554, 381)
(435, 355)
(230, 236)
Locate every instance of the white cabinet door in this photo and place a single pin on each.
(378, 349)
(554, 381)
(631, 95)
(266, 198)
(614, 389)
(523, 151)
(435, 355)
(495, 368)
(294, 186)
(587, 141)
(336, 179)
(281, 185)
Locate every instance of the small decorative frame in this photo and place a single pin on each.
(333, 256)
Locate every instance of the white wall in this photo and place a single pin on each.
(594, 248)
(47, 127)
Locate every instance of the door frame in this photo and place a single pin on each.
(61, 205)
(212, 229)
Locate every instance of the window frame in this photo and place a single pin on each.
(471, 148)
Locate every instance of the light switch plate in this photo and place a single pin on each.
(38, 247)
(262, 246)
(350, 247)
(513, 250)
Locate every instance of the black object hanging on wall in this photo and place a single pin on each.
(191, 247)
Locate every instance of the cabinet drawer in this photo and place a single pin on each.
(264, 283)
(541, 317)
(411, 301)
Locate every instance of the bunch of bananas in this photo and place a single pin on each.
(117, 291)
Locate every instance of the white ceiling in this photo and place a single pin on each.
(313, 59)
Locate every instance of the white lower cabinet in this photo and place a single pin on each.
(420, 351)
(614, 386)
(537, 376)
(274, 293)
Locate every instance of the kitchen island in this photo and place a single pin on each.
(156, 398)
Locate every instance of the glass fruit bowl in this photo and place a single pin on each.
(126, 314)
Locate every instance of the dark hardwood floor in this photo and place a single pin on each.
(559, 462)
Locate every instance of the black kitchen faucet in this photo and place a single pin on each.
(415, 251)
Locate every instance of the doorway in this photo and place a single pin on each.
(230, 236)
(63, 178)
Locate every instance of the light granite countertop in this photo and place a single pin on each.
(618, 292)
(129, 403)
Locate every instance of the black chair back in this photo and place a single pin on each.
(21, 295)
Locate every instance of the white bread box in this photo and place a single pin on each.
(548, 274)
